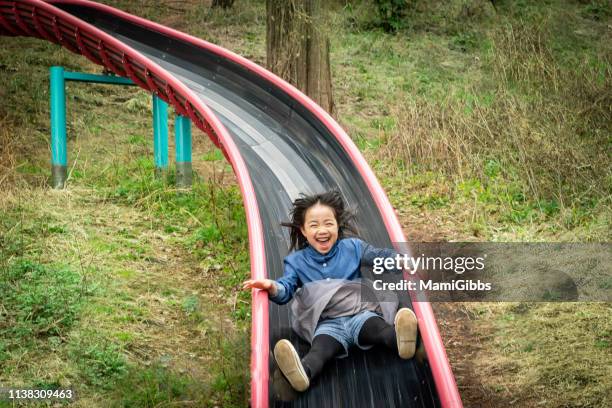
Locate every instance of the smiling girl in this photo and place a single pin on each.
(324, 265)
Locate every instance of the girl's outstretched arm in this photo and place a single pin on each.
(280, 291)
(263, 284)
(285, 286)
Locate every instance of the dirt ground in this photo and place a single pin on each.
(463, 345)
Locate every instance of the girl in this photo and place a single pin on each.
(318, 228)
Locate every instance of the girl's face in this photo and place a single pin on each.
(320, 227)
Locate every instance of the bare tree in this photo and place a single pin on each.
(298, 49)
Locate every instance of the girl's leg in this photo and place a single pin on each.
(401, 337)
(376, 330)
(300, 373)
(324, 348)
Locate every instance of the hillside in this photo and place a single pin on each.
(482, 124)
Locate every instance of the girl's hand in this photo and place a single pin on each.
(264, 284)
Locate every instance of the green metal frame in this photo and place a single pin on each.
(59, 160)
(160, 136)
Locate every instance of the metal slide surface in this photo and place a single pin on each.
(287, 150)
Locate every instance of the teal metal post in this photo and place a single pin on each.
(59, 160)
(182, 134)
(160, 135)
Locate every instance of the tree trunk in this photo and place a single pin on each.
(298, 49)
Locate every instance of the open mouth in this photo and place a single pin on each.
(322, 240)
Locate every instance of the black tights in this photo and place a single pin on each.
(324, 347)
(376, 330)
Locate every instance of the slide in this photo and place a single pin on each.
(279, 144)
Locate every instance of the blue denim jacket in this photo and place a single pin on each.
(343, 261)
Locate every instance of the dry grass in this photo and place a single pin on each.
(544, 124)
(13, 146)
(7, 156)
(545, 354)
(551, 354)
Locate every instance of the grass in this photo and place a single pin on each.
(127, 297)
(480, 124)
(562, 339)
(524, 91)
(117, 286)
(44, 301)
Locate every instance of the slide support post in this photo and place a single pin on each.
(59, 160)
(160, 135)
(182, 133)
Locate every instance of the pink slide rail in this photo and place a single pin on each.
(36, 18)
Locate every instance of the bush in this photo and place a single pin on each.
(391, 14)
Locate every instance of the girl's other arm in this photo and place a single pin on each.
(369, 253)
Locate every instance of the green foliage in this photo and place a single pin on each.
(391, 14)
(598, 10)
(101, 363)
(207, 234)
(492, 168)
(465, 41)
(507, 199)
(190, 304)
(432, 200)
(213, 155)
(40, 300)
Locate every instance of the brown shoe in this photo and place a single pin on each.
(406, 332)
(281, 387)
(290, 364)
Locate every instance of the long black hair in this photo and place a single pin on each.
(333, 199)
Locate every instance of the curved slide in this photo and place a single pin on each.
(279, 144)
